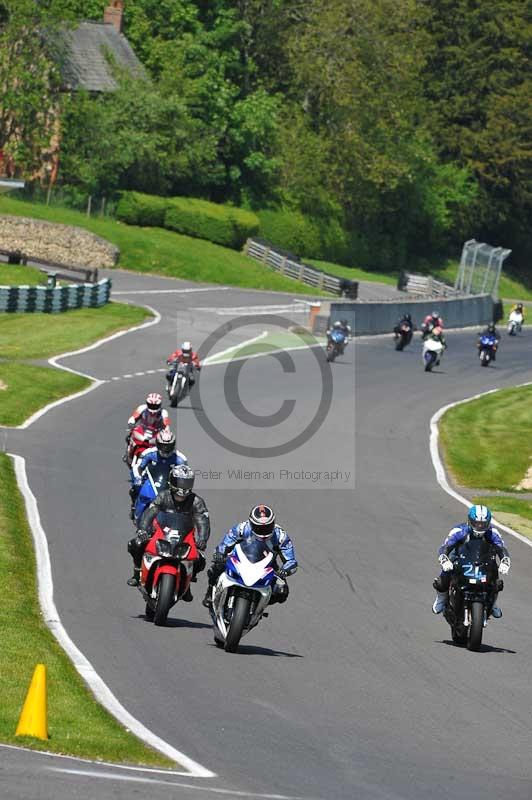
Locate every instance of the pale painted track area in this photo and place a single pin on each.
(353, 688)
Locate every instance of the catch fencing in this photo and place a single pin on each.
(51, 300)
(480, 268)
(291, 268)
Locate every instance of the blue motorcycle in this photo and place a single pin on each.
(487, 347)
(336, 341)
(155, 480)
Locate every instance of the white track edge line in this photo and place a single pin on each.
(441, 475)
(100, 689)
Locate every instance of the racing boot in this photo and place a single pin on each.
(440, 602)
(187, 597)
(207, 600)
(135, 578)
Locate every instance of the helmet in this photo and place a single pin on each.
(262, 521)
(435, 315)
(165, 441)
(479, 520)
(491, 327)
(154, 402)
(519, 307)
(337, 324)
(407, 317)
(181, 481)
(344, 322)
(186, 349)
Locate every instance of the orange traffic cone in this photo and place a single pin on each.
(33, 718)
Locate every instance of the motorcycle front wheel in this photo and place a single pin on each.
(238, 621)
(165, 598)
(331, 354)
(477, 625)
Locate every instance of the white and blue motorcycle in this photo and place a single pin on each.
(242, 592)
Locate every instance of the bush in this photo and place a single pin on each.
(223, 225)
(147, 210)
(306, 236)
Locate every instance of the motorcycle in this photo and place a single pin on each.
(403, 337)
(154, 481)
(179, 385)
(335, 344)
(167, 564)
(515, 322)
(432, 353)
(140, 438)
(474, 586)
(487, 347)
(242, 592)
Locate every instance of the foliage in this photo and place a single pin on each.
(135, 208)
(222, 225)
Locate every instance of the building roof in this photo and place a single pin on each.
(89, 54)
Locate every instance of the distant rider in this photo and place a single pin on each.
(260, 525)
(478, 525)
(491, 330)
(430, 322)
(406, 320)
(518, 308)
(343, 327)
(164, 453)
(178, 497)
(183, 355)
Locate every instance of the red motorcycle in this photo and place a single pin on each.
(140, 438)
(167, 563)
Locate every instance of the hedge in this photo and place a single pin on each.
(221, 224)
(147, 210)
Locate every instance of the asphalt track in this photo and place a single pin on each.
(351, 690)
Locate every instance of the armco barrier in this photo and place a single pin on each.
(379, 317)
(52, 300)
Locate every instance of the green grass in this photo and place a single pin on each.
(28, 388)
(25, 336)
(485, 441)
(273, 341)
(77, 725)
(516, 514)
(15, 275)
(354, 273)
(162, 252)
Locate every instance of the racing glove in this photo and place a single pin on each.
(142, 536)
(286, 571)
(445, 563)
(504, 566)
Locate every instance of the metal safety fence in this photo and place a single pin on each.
(285, 265)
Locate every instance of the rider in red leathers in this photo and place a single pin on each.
(184, 355)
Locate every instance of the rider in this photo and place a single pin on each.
(431, 321)
(478, 525)
(261, 525)
(342, 326)
(518, 308)
(491, 330)
(436, 335)
(164, 453)
(178, 497)
(183, 355)
(151, 413)
(406, 319)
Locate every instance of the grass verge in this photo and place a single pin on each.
(78, 726)
(14, 275)
(273, 341)
(517, 514)
(162, 252)
(485, 440)
(43, 335)
(26, 388)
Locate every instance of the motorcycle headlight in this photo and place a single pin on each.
(181, 549)
(164, 547)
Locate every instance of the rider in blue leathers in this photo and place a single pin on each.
(164, 452)
(260, 524)
(478, 525)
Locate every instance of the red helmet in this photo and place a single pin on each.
(154, 405)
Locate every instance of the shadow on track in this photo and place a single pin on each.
(172, 622)
(252, 650)
(484, 648)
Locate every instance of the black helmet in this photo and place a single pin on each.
(262, 521)
(181, 481)
(344, 322)
(519, 307)
(165, 442)
(408, 317)
(491, 327)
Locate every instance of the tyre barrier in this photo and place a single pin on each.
(52, 300)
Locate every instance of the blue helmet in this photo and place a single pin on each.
(479, 520)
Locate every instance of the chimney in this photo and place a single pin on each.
(113, 14)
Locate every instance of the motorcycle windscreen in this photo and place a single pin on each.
(481, 553)
(178, 522)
